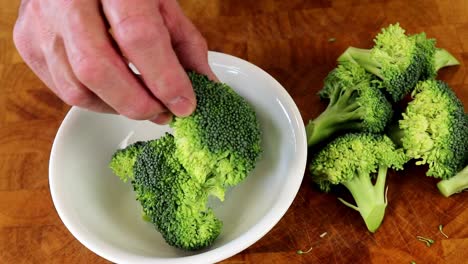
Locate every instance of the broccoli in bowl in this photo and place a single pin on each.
(214, 148)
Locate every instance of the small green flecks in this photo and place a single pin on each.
(426, 240)
(413, 262)
(331, 39)
(442, 231)
(300, 252)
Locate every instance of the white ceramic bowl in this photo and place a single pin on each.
(102, 213)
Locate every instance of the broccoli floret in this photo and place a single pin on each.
(400, 60)
(219, 144)
(434, 129)
(353, 160)
(355, 105)
(395, 58)
(173, 176)
(455, 184)
(171, 199)
(347, 74)
(122, 160)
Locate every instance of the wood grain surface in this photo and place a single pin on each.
(291, 41)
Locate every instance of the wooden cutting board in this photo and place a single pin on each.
(297, 42)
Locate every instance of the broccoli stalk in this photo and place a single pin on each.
(371, 200)
(455, 184)
(362, 57)
(352, 160)
(342, 113)
(355, 105)
(443, 58)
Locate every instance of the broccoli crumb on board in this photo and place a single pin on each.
(442, 231)
(426, 240)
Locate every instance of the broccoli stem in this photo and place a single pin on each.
(362, 57)
(332, 120)
(340, 114)
(371, 200)
(443, 58)
(320, 128)
(455, 184)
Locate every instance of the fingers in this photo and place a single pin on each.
(99, 67)
(141, 34)
(23, 36)
(68, 47)
(189, 44)
(65, 83)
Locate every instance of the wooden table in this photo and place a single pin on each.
(290, 40)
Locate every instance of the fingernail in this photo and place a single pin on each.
(181, 106)
(213, 77)
(162, 118)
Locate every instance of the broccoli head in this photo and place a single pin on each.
(210, 150)
(354, 160)
(395, 58)
(355, 105)
(400, 60)
(122, 160)
(434, 58)
(171, 199)
(346, 74)
(219, 143)
(434, 130)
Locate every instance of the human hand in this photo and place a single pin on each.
(68, 45)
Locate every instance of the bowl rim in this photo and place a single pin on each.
(245, 240)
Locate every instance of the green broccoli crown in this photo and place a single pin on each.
(364, 152)
(399, 60)
(435, 129)
(122, 160)
(219, 143)
(393, 49)
(427, 48)
(376, 109)
(347, 74)
(171, 199)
